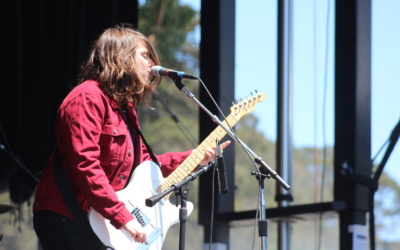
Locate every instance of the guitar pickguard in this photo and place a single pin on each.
(145, 222)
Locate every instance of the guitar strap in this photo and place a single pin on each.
(137, 130)
(153, 157)
(73, 205)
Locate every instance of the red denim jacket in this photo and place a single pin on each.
(97, 154)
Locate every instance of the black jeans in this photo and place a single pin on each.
(58, 232)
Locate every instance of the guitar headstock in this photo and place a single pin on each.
(247, 105)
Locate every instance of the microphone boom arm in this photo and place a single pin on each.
(265, 169)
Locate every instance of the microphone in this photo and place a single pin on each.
(173, 74)
(222, 181)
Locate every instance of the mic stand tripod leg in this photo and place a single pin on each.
(183, 193)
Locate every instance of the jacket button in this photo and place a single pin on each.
(121, 177)
(130, 152)
(114, 131)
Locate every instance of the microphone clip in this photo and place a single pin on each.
(218, 150)
(220, 164)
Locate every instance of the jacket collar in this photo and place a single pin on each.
(114, 104)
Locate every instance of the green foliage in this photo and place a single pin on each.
(387, 209)
(167, 24)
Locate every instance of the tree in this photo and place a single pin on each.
(168, 24)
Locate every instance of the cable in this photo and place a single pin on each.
(212, 207)
(6, 148)
(317, 223)
(256, 217)
(185, 131)
(324, 144)
(230, 127)
(248, 154)
(380, 149)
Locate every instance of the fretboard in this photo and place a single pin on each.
(197, 155)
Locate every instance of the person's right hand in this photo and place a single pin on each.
(135, 230)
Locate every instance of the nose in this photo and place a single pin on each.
(151, 63)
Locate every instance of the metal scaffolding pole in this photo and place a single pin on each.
(284, 141)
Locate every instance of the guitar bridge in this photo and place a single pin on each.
(144, 221)
(150, 239)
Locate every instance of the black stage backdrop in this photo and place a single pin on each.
(43, 44)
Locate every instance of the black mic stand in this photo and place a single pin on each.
(180, 189)
(262, 222)
(373, 182)
(183, 192)
(394, 137)
(19, 163)
(263, 167)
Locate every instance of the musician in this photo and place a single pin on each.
(98, 140)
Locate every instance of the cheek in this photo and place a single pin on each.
(142, 64)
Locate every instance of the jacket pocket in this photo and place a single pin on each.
(113, 144)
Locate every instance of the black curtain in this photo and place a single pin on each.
(43, 44)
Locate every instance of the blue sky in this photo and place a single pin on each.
(256, 69)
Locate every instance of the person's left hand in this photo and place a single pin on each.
(210, 153)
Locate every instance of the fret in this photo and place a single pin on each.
(192, 163)
(174, 177)
(180, 175)
(185, 170)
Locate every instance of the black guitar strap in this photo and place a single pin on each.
(73, 205)
(137, 130)
(153, 157)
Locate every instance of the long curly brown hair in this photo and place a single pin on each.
(111, 64)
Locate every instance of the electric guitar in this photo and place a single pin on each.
(147, 180)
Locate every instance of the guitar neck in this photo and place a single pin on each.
(194, 159)
(197, 155)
